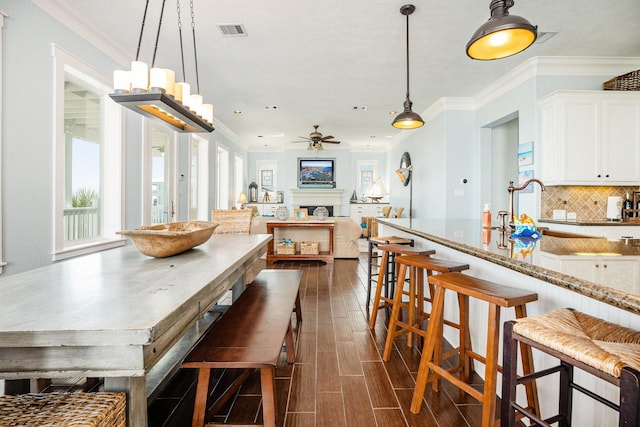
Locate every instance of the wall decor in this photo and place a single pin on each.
(301, 214)
(266, 179)
(525, 154)
(524, 176)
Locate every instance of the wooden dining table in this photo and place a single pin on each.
(117, 314)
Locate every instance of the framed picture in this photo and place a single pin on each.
(522, 177)
(266, 179)
(525, 154)
(301, 214)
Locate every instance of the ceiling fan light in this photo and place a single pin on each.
(503, 35)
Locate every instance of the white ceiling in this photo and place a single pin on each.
(320, 62)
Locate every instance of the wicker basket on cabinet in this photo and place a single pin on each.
(628, 81)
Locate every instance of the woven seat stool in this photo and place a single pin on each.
(418, 266)
(103, 409)
(431, 368)
(387, 261)
(372, 277)
(605, 350)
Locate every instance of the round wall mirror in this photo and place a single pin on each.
(404, 173)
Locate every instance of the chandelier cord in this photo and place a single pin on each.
(155, 48)
(184, 75)
(195, 54)
(144, 17)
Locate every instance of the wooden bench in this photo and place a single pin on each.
(249, 336)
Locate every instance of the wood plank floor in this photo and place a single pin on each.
(339, 378)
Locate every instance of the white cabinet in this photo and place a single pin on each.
(590, 138)
(617, 273)
(358, 210)
(266, 209)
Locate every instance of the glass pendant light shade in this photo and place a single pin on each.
(502, 35)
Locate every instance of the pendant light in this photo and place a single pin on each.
(502, 35)
(408, 119)
(154, 93)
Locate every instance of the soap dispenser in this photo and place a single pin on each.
(486, 216)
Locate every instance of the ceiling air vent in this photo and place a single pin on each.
(232, 30)
(544, 36)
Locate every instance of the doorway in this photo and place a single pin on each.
(159, 188)
(504, 163)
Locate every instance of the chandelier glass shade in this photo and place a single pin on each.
(154, 92)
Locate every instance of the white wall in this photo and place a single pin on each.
(27, 161)
(346, 174)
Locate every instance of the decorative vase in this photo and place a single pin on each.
(321, 213)
(282, 213)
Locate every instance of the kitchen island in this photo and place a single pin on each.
(117, 314)
(536, 258)
(539, 266)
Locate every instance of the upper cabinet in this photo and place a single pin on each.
(591, 138)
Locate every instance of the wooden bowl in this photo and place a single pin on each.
(163, 240)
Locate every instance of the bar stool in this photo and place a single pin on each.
(496, 296)
(374, 242)
(389, 253)
(415, 305)
(603, 349)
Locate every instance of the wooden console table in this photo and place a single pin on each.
(325, 256)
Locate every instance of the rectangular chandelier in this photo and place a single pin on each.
(164, 107)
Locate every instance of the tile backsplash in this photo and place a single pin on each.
(589, 203)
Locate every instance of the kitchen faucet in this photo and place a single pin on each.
(511, 189)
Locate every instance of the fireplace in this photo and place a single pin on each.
(330, 198)
(310, 209)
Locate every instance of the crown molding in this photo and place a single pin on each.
(576, 66)
(64, 13)
(228, 133)
(448, 104)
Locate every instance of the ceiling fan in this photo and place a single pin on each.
(315, 139)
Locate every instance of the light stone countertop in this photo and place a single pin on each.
(530, 258)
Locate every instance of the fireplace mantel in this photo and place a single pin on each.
(317, 197)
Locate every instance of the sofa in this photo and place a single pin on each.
(346, 233)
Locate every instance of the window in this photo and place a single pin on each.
(266, 178)
(199, 179)
(367, 171)
(88, 199)
(222, 201)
